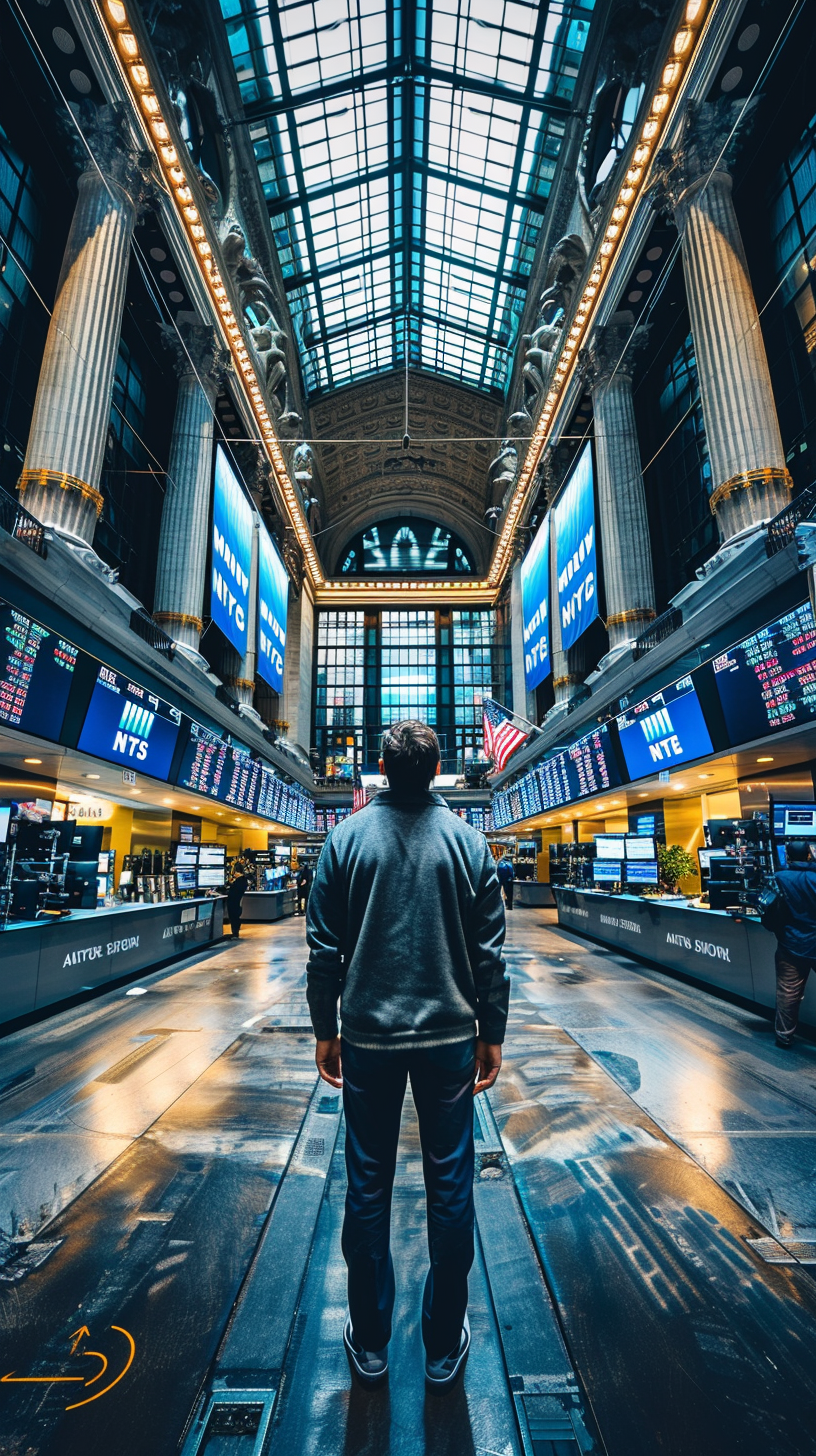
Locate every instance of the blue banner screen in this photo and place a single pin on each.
(574, 525)
(127, 724)
(231, 555)
(273, 600)
(535, 606)
(664, 730)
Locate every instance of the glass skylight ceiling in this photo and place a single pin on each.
(406, 150)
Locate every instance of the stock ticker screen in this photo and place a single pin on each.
(36, 672)
(587, 767)
(768, 681)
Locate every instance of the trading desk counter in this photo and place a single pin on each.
(265, 905)
(45, 961)
(733, 954)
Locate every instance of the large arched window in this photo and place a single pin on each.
(405, 545)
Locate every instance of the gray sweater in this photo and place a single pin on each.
(405, 922)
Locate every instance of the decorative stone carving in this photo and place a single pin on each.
(502, 472)
(564, 268)
(293, 560)
(196, 349)
(257, 303)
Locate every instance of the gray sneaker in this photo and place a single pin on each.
(370, 1366)
(442, 1374)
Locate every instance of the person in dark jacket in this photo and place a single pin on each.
(405, 925)
(236, 889)
(506, 876)
(304, 882)
(796, 941)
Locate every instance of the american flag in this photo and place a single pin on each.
(501, 737)
(359, 800)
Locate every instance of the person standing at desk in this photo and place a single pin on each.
(236, 889)
(304, 884)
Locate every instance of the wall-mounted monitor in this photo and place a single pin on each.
(36, 672)
(186, 879)
(607, 871)
(609, 846)
(640, 846)
(126, 724)
(186, 856)
(211, 856)
(768, 681)
(641, 872)
(664, 730)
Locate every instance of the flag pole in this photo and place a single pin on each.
(534, 726)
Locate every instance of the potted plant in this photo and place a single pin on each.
(675, 864)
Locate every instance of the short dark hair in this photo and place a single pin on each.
(797, 851)
(410, 752)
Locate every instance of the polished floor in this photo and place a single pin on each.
(171, 1189)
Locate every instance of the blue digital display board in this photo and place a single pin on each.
(587, 767)
(574, 526)
(127, 724)
(607, 871)
(664, 730)
(535, 607)
(273, 601)
(641, 872)
(768, 681)
(36, 672)
(233, 524)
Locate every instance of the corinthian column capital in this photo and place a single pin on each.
(196, 349)
(712, 134)
(613, 350)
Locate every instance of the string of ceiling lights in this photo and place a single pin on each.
(676, 67)
(132, 65)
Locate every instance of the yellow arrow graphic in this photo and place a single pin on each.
(106, 1388)
(13, 1379)
(76, 1337)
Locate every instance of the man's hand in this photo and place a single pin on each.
(327, 1059)
(488, 1062)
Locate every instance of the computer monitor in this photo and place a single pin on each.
(606, 871)
(5, 816)
(210, 879)
(186, 856)
(186, 879)
(641, 872)
(640, 846)
(212, 856)
(706, 856)
(608, 846)
(799, 821)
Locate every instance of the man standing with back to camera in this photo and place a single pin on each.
(405, 924)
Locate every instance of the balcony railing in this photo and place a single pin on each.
(657, 632)
(781, 529)
(143, 625)
(20, 524)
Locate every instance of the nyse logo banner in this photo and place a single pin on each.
(665, 730)
(535, 606)
(273, 600)
(126, 724)
(574, 525)
(231, 555)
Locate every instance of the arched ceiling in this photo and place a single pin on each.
(442, 475)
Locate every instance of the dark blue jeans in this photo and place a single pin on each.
(373, 1091)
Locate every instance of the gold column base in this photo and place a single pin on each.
(240, 682)
(178, 619)
(634, 614)
(770, 475)
(62, 481)
(571, 677)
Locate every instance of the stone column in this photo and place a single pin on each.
(624, 526)
(183, 543)
(63, 464)
(750, 480)
(297, 671)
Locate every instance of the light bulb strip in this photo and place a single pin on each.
(683, 49)
(344, 591)
(137, 77)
